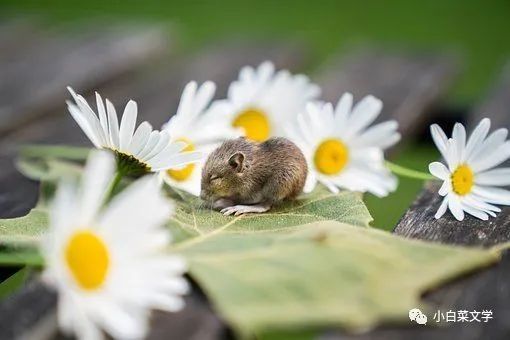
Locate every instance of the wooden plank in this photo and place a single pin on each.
(408, 83)
(157, 91)
(34, 301)
(419, 222)
(34, 83)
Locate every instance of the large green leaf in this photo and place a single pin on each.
(321, 274)
(193, 220)
(23, 231)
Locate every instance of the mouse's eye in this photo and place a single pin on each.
(214, 178)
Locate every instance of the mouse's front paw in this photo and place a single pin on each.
(237, 210)
(222, 203)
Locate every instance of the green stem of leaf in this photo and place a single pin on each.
(409, 173)
(21, 258)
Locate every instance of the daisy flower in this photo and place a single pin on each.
(261, 102)
(470, 182)
(108, 264)
(342, 150)
(137, 152)
(196, 124)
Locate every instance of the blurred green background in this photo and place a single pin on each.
(477, 30)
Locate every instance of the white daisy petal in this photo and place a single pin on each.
(501, 154)
(440, 139)
(343, 109)
(311, 182)
(492, 142)
(102, 117)
(168, 151)
(445, 188)
(442, 208)
(118, 322)
(155, 208)
(455, 207)
(477, 136)
(439, 170)
(83, 124)
(384, 135)
(113, 125)
(163, 141)
(96, 179)
(140, 138)
(493, 195)
(459, 136)
(88, 114)
(150, 145)
(127, 125)
(480, 204)
(497, 177)
(475, 212)
(363, 114)
(178, 160)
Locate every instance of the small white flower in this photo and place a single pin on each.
(342, 150)
(108, 264)
(262, 102)
(198, 125)
(137, 151)
(469, 180)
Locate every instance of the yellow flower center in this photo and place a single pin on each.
(255, 124)
(88, 260)
(331, 156)
(184, 173)
(462, 180)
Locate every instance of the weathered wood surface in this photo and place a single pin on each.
(409, 84)
(35, 78)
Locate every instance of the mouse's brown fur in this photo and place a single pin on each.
(249, 173)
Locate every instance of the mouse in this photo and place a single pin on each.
(242, 176)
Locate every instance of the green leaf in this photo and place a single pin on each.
(21, 257)
(48, 170)
(14, 282)
(193, 221)
(322, 274)
(75, 153)
(23, 231)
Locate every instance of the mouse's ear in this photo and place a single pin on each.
(236, 161)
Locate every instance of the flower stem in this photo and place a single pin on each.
(112, 190)
(409, 173)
